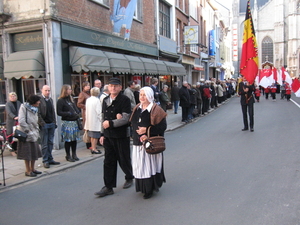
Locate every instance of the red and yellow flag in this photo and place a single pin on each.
(249, 59)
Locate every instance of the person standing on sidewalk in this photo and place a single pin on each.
(12, 109)
(115, 137)
(69, 113)
(30, 151)
(47, 123)
(129, 93)
(185, 101)
(175, 97)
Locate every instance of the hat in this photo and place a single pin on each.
(114, 80)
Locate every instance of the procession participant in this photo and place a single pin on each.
(115, 137)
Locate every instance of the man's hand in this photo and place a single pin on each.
(101, 140)
(105, 124)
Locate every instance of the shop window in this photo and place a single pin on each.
(32, 86)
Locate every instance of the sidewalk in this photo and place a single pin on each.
(15, 169)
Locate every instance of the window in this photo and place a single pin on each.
(178, 38)
(193, 9)
(138, 11)
(32, 86)
(267, 50)
(164, 19)
(194, 48)
(102, 2)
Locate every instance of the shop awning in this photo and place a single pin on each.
(150, 66)
(198, 67)
(136, 65)
(161, 67)
(25, 64)
(87, 59)
(175, 69)
(118, 63)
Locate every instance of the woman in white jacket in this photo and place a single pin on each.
(93, 118)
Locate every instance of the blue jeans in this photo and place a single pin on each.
(176, 103)
(47, 136)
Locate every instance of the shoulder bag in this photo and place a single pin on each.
(20, 135)
(155, 144)
(79, 123)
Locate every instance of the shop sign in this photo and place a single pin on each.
(89, 37)
(188, 60)
(212, 43)
(28, 41)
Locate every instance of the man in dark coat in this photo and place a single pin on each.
(247, 100)
(185, 101)
(175, 97)
(47, 123)
(115, 138)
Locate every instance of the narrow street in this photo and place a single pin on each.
(216, 174)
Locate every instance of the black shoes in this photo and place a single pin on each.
(75, 157)
(127, 184)
(105, 191)
(147, 195)
(245, 129)
(68, 158)
(37, 172)
(46, 165)
(31, 174)
(251, 129)
(54, 163)
(96, 152)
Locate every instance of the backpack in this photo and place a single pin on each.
(206, 92)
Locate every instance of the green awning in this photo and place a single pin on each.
(118, 63)
(150, 66)
(136, 65)
(161, 67)
(25, 64)
(176, 69)
(86, 59)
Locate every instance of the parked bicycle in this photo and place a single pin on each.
(4, 145)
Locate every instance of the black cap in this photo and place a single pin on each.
(114, 80)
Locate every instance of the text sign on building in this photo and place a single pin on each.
(191, 35)
(28, 41)
(212, 43)
(86, 36)
(234, 43)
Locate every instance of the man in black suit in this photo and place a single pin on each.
(185, 101)
(247, 100)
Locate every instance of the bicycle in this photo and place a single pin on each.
(4, 145)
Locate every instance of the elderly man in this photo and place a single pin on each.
(47, 122)
(129, 92)
(115, 138)
(98, 84)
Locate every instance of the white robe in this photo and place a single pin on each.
(145, 165)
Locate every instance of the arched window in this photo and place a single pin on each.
(267, 50)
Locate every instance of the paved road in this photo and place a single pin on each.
(216, 174)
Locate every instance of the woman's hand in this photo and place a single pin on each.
(143, 138)
(101, 140)
(141, 130)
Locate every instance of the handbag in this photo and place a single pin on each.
(155, 144)
(86, 138)
(20, 135)
(79, 124)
